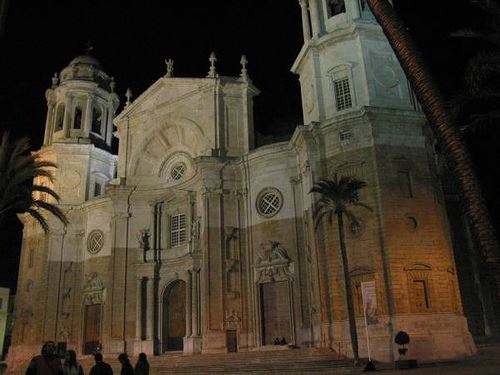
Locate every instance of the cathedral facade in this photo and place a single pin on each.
(193, 239)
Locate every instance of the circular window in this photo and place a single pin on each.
(269, 202)
(356, 228)
(95, 241)
(411, 223)
(178, 171)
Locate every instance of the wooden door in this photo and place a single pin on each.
(275, 312)
(174, 317)
(231, 341)
(92, 329)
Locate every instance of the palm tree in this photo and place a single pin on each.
(476, 107)
(20, 173)
(441, 121)
(337, 196)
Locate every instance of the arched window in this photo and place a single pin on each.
(97, 120)
(78, 118)
(59, 117)
(335, 7)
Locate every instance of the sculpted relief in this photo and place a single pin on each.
(273, 264)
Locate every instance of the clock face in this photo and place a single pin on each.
(309, 102)
(70, 178)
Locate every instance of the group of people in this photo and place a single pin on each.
(49, 364)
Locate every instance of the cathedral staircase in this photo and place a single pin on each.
(291, 361)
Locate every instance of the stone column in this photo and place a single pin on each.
(196, 303)
(189, 303)
(150, 309)
(315, 17)
(306, 27)
(87, 122)
(138, 320)
(49, 124)
(352, 7)
(67, 115)
(109, 125)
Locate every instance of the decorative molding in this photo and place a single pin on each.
(273, 264)
(418, 267)
(363, 270)
(92, 283)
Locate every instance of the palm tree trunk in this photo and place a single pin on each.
(445, 131)
(348, 290)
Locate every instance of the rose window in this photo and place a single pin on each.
(269, 202)
(95, 241)
(178, 171)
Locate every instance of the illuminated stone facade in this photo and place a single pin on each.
(193, 239)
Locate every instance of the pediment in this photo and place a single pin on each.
(165, 140)
(163, 94)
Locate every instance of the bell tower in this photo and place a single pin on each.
(346, 63)
(81, 104)
(79, 129)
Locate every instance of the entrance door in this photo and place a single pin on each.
(231, 341)
(92, 329)
(275, 312)
(174, 316)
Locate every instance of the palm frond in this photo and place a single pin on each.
(54, 210)
(39, 218)
(46, 189)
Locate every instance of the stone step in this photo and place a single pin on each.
(281, 361)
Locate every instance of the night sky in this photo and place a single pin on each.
(131, 39)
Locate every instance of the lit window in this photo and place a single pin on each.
(342, 92)
(177, 230)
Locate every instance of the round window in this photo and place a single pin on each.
(269, 202)
(178, 171)
(95, 241)
(356, 228)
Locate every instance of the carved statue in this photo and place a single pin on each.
(195, 228)
(92, 282)
(143, 239)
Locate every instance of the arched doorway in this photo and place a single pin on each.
(174, 316)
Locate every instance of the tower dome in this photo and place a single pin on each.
(86, 68)
(81, 104)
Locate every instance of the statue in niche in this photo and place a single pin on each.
(195, 228)
(92, 282)
(65, 303)
(143, 239)
(272, 254)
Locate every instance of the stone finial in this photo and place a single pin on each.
(112, 84)
(170, 67)
(244, 71)
(128, 95)
(55, 80)
(212, 73)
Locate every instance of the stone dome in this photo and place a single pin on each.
(85, 68)
(85, 60)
